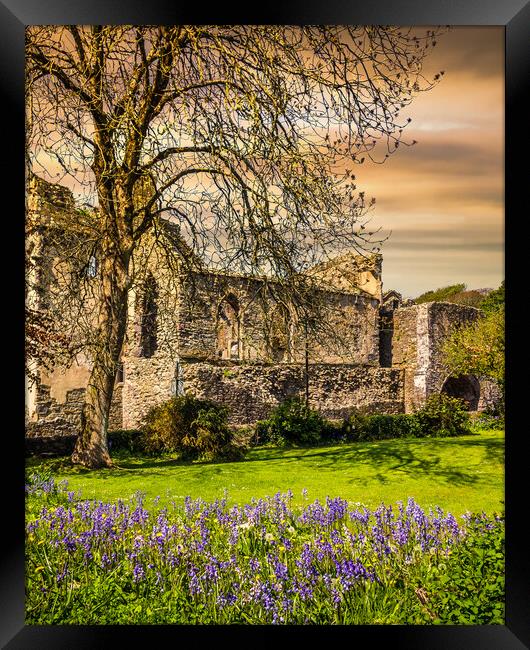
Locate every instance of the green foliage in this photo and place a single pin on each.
(359, 427)
(455, 293)
(494, 301)
(355, 425)
(441, 294)
(441, 416)
(188, 425)
(444, 416)
(384, 427)
(292, 422)
(477, 348)
(468, 587)
(125, 440)
(488, 422)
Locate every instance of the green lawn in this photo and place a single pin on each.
(458, 474)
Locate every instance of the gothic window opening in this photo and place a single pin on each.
(177, 385)
(228, 329)
(92, 267)
(148, 318)
(280, 334)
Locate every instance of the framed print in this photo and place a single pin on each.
(170, 190)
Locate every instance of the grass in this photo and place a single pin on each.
(458, 474)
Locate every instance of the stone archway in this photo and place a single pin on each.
(466, 387)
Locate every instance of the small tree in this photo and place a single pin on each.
(494, 301)
(478, 348)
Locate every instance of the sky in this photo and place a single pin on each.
(441, 201)
(443, 198)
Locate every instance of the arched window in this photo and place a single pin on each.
(177, 384)
(148, 318)
(280, 333)
(92, 267)
(228, 328)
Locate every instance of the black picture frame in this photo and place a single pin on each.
(514, 15)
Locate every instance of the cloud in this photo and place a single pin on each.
(469, 51)
(444, 126)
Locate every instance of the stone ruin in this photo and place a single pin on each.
(220, 336)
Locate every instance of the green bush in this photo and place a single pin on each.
(292, 422)
(359, 427)
(444, 416)
(386, 427)
(195, 428)
(125, 439)
(441, 416)
(354, 426)
(487, 422)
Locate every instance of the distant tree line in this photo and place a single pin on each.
(456, 293)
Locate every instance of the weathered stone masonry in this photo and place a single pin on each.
(220, 336)
(251, 391)
(418, 332)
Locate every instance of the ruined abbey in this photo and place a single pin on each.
(221, 336)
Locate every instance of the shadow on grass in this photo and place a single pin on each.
(123, 463)
(408, 457)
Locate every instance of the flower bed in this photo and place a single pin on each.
(90, 562)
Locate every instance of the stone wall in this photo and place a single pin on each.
(252, 390)
(347, 329)
(147, 381)
(350, 330)
(116, 408)
(405, 353)
(490, 395)
(418, 333)
(198, 308)
(56, 418)
(444, 317)
(53, 418)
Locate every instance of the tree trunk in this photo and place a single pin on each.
(91, 448)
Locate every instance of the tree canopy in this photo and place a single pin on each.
(478, 348)
(244, 137)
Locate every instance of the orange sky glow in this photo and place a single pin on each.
(443, 198)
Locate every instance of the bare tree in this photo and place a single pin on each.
(248, 135)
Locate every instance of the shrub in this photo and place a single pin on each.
(354, 426)
(125, 439)
(292, 422)
(443, 415)
(332, 431)
(194, 427)
(385, 427)
(358, 427)
(487, 422)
